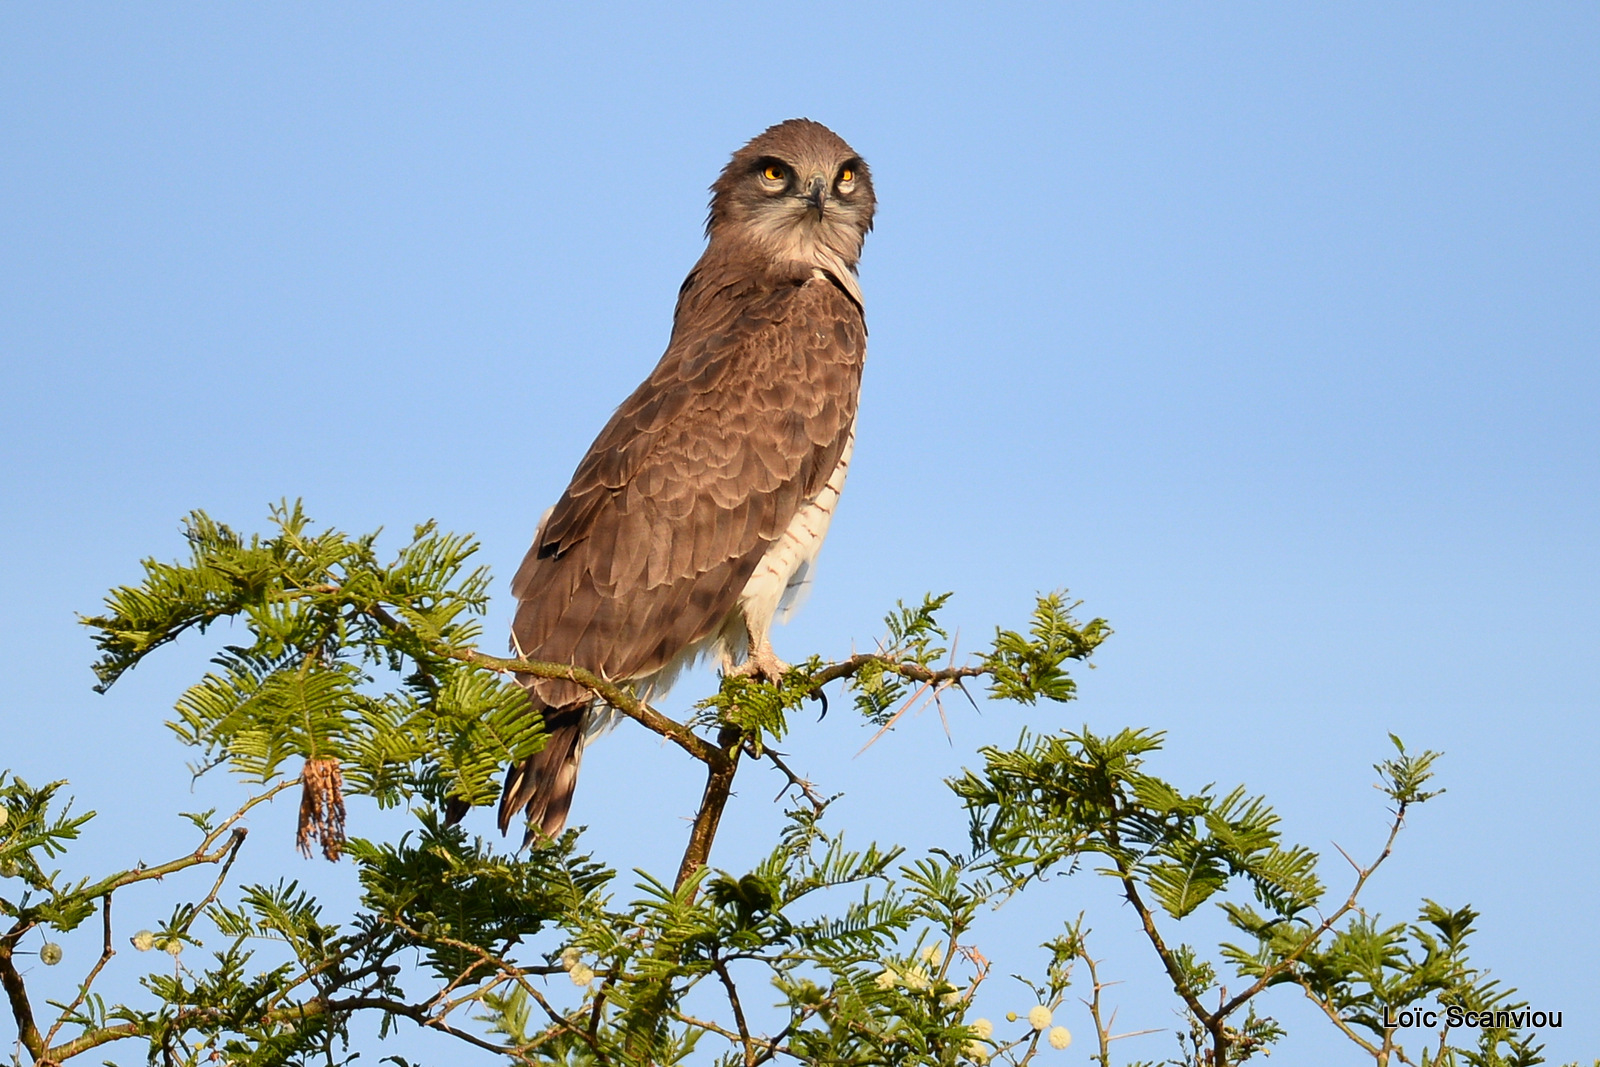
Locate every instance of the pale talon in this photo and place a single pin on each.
(761, 664)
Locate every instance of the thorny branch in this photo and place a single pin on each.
(807, 790)
(106, 952)
(486, 972)
(1215, 1021)
(1102, 1025)
(1328, 923)
(39, 1044)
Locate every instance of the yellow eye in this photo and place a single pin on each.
(773, 173)
(847, 175)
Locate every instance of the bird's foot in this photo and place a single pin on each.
(762, 664)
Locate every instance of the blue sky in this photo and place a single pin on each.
(1269, 331)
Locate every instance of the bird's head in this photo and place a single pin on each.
(796, 192)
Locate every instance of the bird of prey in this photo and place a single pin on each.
(697, 514)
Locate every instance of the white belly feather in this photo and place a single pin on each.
(783, 577)
(779, 585)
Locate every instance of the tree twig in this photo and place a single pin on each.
(1293, 957)
(738, 1011)
(106, 952)
(815, 799)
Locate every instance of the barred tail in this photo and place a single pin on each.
(543, 783)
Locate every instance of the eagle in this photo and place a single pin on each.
(697, 514)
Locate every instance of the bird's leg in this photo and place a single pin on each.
(760, 662)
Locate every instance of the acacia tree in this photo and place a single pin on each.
(362, 677)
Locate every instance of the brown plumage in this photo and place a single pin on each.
(702, 503)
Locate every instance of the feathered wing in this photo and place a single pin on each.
(696, 475)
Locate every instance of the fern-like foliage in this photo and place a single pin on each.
(823, 951)
(1025, 668)
(321, 615)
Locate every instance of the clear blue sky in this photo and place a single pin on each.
(1271, 332)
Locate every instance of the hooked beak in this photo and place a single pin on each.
(816, 193)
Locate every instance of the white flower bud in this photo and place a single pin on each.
(932, 954)
(951, 999)
(982, 1028)
(916, 978)
(977, 1052)
(50, 954)
(570, 957)
(1059, 1037)
(887, 979)
(1039, 1017)
(173, 946)
(580, 974)
(5, 816)
(144, 940)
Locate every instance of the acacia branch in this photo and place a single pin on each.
(738, 1011)
(418, 1014)
(1333, 1015)
(1102, 1028)
(106, 952)
(1293, 957)
(1130, 889)
(719, 784)
(17, 992)
(775, 1044)
(236, 835)
(508, 972)
(38, 1044)
(807, 790)
(630, 705)
(847, 668)
(614, 695)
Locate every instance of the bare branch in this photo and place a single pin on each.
(106, 952)
(738, 1011)
(17, 993)
(719, 784)
(815, 799)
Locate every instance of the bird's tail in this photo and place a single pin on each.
(542, 784)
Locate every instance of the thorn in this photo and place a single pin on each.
(896, 716)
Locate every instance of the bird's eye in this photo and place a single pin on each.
(773, 173)
(847, 175)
